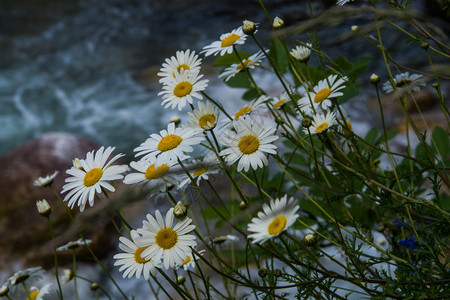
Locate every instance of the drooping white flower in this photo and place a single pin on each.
(404, 80)
(96, 173)
(301, 53)
(250, 63)
(46, 181)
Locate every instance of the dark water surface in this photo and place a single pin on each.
(77, 66)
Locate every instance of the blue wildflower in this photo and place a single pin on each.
(410, 243)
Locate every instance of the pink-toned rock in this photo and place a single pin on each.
(25, 235)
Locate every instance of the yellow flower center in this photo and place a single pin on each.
(348, 129)
(185, 67)
(277, 225)
(169, 142)
(403, 82)
(242, 112)
(199, 172)
(279, 103)
(92, 177)
(33, 295)
(248, 144)
(182, 89)
(188, 260)
(207, 121)
(322, 95)
(322, 127)
(155, 173)
(229, 40)
(245, 63)
(166, 238)
(137, 256)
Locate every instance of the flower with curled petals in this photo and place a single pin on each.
(181, 62)
(96, 173)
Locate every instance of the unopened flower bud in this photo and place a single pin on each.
(262, 272)
(306, 122)
(4, 291)
(76, 163)
(181, 280)
(180, 211)
(278, 23)
(242, 205)
(277, 272)
(175, 119)
(424, 45)
(43, 208)
(67, 275)
(94, 286)
(355, 28)
(374, 79)
(249, 27)
(310, 239)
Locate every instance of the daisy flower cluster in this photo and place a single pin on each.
(319, 103)
(158, 243)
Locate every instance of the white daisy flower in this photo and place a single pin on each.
(205, 118)
(301, 53)
(258, 104)
(189, 261)
(403, 80)
(248, 143)
(169, 145)
(323, 91)
(92, 178)
(47, 180)
(321, 123)
(131, 261)
(274, 219)
(278, 103)
(182, 88)
(182, 61)
(200, 170)
(38, 294)
(342, 2)
(225, 45)
(73, 244)
(28, 275)
(151, 177)
(172, 245)
(249, 63)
